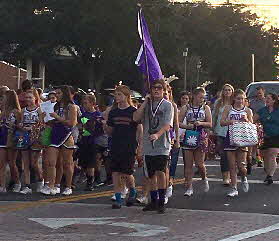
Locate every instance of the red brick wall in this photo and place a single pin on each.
(8, 75)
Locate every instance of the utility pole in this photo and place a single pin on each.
(185, 54)
(253, 68)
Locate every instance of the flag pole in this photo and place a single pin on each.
(144, 48)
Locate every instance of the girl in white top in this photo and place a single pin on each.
(232, 114)
(198, 117)
(221, 132)
(31, 118)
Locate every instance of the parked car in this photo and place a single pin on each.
(269, 86)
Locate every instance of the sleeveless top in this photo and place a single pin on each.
(30, 117)
(235, 114)
(195, 114)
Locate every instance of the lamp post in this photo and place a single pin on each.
(185, 54)
(199, 64)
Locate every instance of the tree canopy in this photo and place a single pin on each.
(102, 37)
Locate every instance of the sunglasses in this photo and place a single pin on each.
(157, 87)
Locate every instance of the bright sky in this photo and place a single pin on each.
(268, 9)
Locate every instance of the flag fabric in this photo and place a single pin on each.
(147, 60)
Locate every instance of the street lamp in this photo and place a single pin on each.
(185, 54)
(199, 64)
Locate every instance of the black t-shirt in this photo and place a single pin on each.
(124, 128)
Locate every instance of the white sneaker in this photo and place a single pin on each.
(189, 192)
(125, 192)
(68, 191)
(40, 186)
(143, 200)
(48, 191)
(57, 189)
(166, 200)
(3, 190)
(245, 184)
(123, 196)
(26, 190)
(233, 192)
(206, 185)
(169, 191)
(113, 198)
(16, 188)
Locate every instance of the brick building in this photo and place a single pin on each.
(9, 75)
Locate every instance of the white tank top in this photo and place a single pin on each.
(195, 114)
(30, 117)
(235, 114)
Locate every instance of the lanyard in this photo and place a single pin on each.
(196, 115)
(154, 112)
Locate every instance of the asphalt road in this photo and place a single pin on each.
(205, 216)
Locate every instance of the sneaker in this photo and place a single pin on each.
(40, 185)
(89, 187)
(260, 164)
(108, 182)
(26, 190)
(245, 184)
(142, 200)
(16, 188)
(233, 192)
(48, 191)
(67, 191)
(150, 207)
(269, 180)
(206, 185)
(113, 198)
(125, 191)
(98, 183)
(131, 201)
(116, 205)
(169, 191)
(166, 200)
(57, 189)
(3, 190)
(189, 192)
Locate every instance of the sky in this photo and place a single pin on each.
(268, 9)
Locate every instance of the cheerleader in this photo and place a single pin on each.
(31, 121)
(62, 141)
(237, 112)
(198, 117)
(9, 118)
(124, 132)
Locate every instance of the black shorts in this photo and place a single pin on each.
(87, 155)
(156, 163)
(123, 163)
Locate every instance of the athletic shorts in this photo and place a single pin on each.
(155, 163)
(87, 155)
(123, 164)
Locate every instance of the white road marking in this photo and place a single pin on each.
(142, 230)
(250, 181)
(251, 234)
(56, 223)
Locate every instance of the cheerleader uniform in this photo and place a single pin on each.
(236, 115)
(7, 127)
(31, 118)
(61, 135)
(192, 115)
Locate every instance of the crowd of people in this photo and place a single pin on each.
(77, 138)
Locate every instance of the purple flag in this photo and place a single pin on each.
(147, 60)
